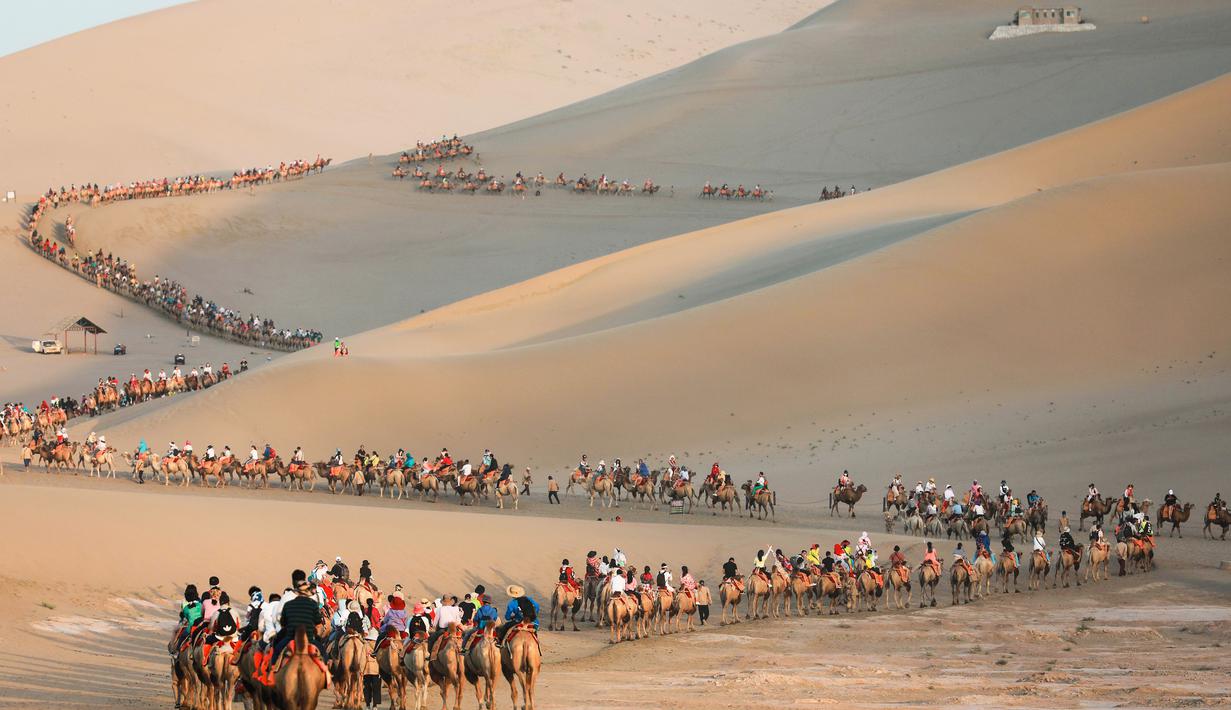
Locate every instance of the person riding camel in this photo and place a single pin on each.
(918, 489)
(959, 557)
(187, 449)
(663, 579)
(896, 486)
(147, 377)
(567, 577)
(253, 458)
(1169, 503)
(930, 486)
(1091, 496)
(930, 558)
(1145, 529)
(761, 483)
(844, 481)
(583, 467)
(715, 476)
(1005, 492)
(269, 453)
(976, 491)
(1040, 545)
(813, 556)
(173, 451)
(1096, 535)
(1067, 543)
(191, 613)
(394, 621)
(521, 609)
(61, 435)
(1032, 499)
(210, 457)
(682, 479)
(758, 566)
(1126, 501)
(949, 495)
(863, 544)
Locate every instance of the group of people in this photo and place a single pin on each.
(329, 605)
(120, 275)
(439, 150)
(738, 192)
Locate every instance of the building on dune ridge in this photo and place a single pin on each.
(1030, 20)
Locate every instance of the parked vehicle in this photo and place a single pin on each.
(179, 359)
(120, 349)
(47, 347)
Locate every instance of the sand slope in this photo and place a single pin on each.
(1060, 278)
(237, 84)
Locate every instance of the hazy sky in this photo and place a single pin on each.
(26, 23)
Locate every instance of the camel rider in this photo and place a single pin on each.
(1127, 498)
(487, 461)
(687, 583)
(683, 479)
(269, 452)
(602, 468)
(395, 619)
(101, 447)
(930, 558)
(930, 512)
(930, 486)
(521, 609)
(226, 370)
(143, 450)
(1006, 543)
(730, 569)
(187, 449)
(758, 565)
(337, 458)
(618, 583)
(209, 453)
(813, 557)
(715, 477)
(223, 628)
(761, 483)
(227, 453)
(593, 565)
(584, 466)
(643, 470)
(949, 494)
(1096, 535)
(864, 543)
(1091, 496)
(1015, 507)
(147, 377)
(1040, 545)
(298, 456)
(919, 489)
(897, 559)
(1169, 502)
(976, 491)
(162, 375)
(955, 510)
(340, 570)
(1005, 493)
(61, 435)
(177, 373)
(172, 450)
(844, 481)
(567, 577)
(663, 579)
(1066, 540)
(190, 613)
(978, 509)
(253, 456)
(896, 486)
(1032, 498)
(1144, 528)
(959, 555)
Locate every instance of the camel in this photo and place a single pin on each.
(468, 486)
(1008, 565)
(961, 581)
(601, 601)
(866, 589)
(301, 476)
(184, 679)
(1036, 517)
(1069, 563)
(428, 483)
(849, 496)
(414, 668)
(172, 466)
(99, 461)
(520, 660)
(223, 675)
(1100, 553)
(482, 666)
(590, 587)
(931, 526)
(663, 601)
(577, 478)
(1016, 526)
(506, 489)
(300, 680)
(801, 591)
(643, 491)
(894, 498)
(390, 662)
(603, 488)
(682, 492)
(1174, 515)
(763, 500)
(899, 579)
(685, 605)
(350, 659)
(779, 593)
(727, 498)
(984, 569)
(1216, 516)
(206, 469)
(1039, 567)
(929, 577)
(1138, 551)
(259, 694)
(622, 611)
(956, 527)
(445, 666)
(565, 602)
(394, 480)
(759, 590)
(913, 525)
(832, 586)
(729, 594)
(1097, 509)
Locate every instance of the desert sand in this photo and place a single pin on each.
(1035, 290)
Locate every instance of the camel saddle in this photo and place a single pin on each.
(415, 640)
(738, 584)
(276, 664)
(208, 648)
(903, 572)
(527, 628)
(390, 637)
(440, 642)
(833, 577)
(243, 646)
(664, 592)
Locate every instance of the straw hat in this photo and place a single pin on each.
(514, 590)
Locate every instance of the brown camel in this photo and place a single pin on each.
(779, 593)
(520, 661)
(602, 488)
(300, 680)
(801, 591)
(929, 578)
(176, 466)
(1175, 515)
(622, 610)
(101, 460)
(351, 657)
(506, 489)
(1100, 554)
(467, 487)
(683, 492)
(565, 602)
(899, 579)
(1016, 526)
(984, 569)
(445, 666)
(866, 590)
(1008, 565)
(1039, 568)
(260, 695)
(1096, 509)
(1219, 516)
(1069, 563)
(414, 667)
(759, 590)
(961, 581)
(833, 586)
(482, 665)
(223, 676)
(763, 501)
(849, 496)
(663, 600)
(727, 498)
(729, 594)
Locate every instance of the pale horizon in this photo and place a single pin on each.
(28, 25)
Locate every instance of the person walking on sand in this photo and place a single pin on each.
(553, 491)
(26, 455)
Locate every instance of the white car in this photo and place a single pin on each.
(47, 347)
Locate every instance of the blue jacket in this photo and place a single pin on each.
(643, 469)
(513, 613)
(485, 615)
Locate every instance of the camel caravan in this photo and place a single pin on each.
(836, 192)
(739, 192)
(327, 632)
(671, 486)
(94, 194)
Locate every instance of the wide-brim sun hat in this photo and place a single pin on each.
(514, 590)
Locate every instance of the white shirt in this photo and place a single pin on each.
(446, 615)
(253, 455)
(268, 622)
(618, 583)
(1040, 544)
(466, 469)
(978, 509)
(949, 494)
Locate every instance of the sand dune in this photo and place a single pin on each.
(278, 80)
(1054, 283)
